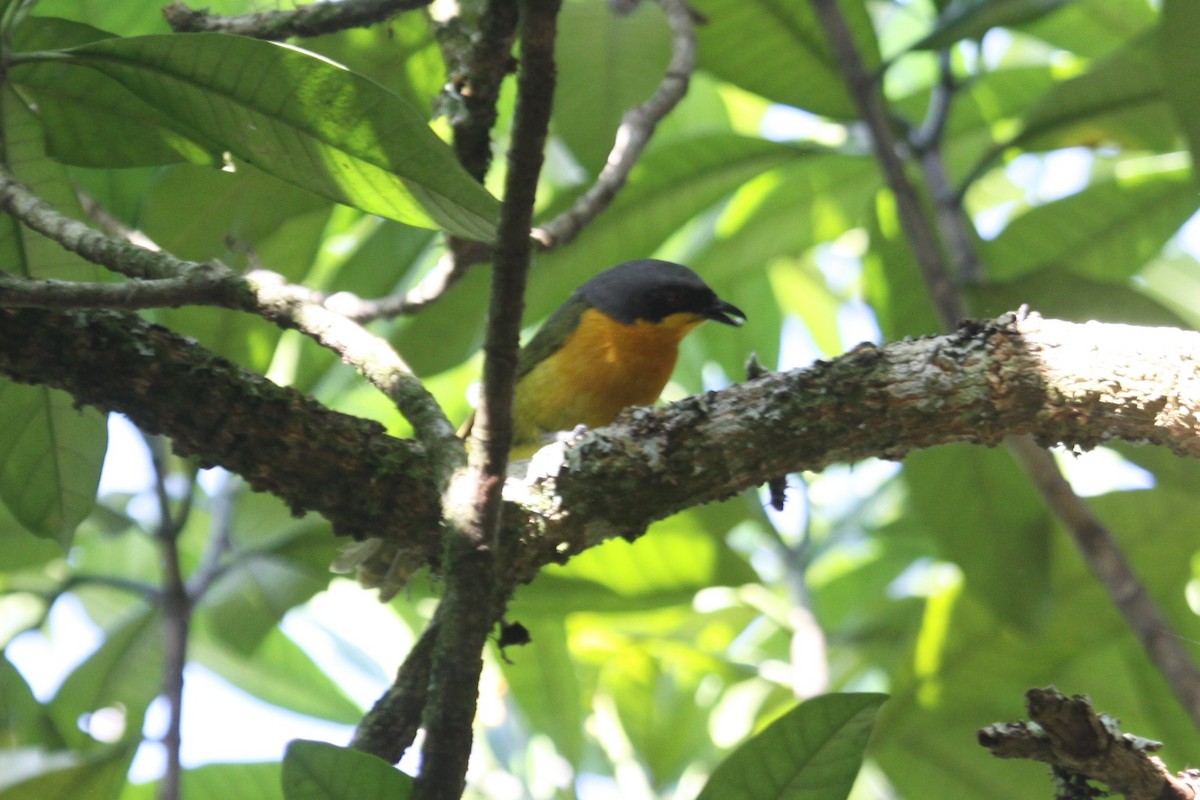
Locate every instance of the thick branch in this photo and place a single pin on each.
(278, 439)
(314, 19)
(175, 281)
(1080, 385)
(1080, 744)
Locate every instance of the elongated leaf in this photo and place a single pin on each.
(1118, 101)
(300, 118)
(1010, 572)
(279, 672)
(607, 65)
(813, 752)
(1106, 232)
(89, 119)
(971, 19)
(320, 771)
(126, 669)
(99, 777)
(1181, 64)
(220, 782)
(1093, 28)
(50, 459)
(775, 48)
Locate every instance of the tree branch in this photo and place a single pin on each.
(1082, 745)
(470, 605)
(314, 19)
(1108, 563)
(278, 439)
(260, 292)
(865, 92)
(637, 126)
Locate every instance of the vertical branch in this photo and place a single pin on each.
(472, 603)
(177, 612)
(1094, 541)
(868, 98)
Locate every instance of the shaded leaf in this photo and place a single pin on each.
(984, 515)
(51, 453)
(279, 672)
(125, 671)
(220, 782)
(319, 771)
(100, 776)
(1106, 232)
(1119, 101)
(1181, 63)
(971, 19)
(813, 752)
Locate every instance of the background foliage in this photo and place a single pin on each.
(943, 581)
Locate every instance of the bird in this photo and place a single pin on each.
(613, 344)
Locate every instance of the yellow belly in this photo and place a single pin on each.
(603, 368)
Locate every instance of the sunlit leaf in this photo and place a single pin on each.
(300, 118)
(1106, 232)
(778, 50)
(219, 782)
(811, 753)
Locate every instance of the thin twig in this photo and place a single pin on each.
(314, 19)
(259, 292)
(868, 98)
(637, 126)
(177, 612)
(1096, 544)
(1108, 563)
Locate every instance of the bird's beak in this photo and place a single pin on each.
(726, 314)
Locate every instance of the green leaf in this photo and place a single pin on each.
(320, 771)
(673, 183)
(1061, 295)
(1119, 101)
(777, 49)
(260, 781)
(92, 121)
(546, 686)
(813, 752)
(279, 672)
(1010, 571)
(1093, 28)
(1181, 63)
(300, 118)
(126, 670)
(100, 776)
(50, 458)
(23, 720)
(607, 64)
(1107, 232)
(971, 19)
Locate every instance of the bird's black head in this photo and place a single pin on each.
(651, 290)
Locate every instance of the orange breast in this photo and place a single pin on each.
(602, 368)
